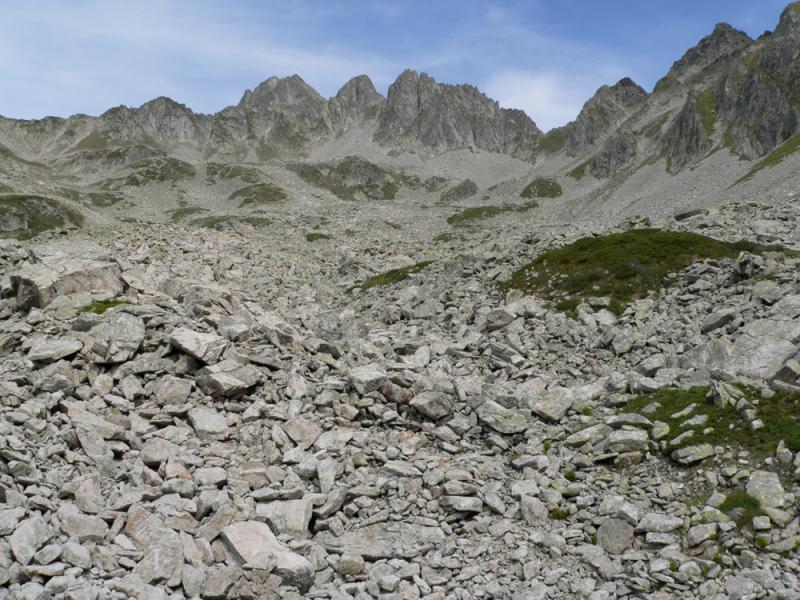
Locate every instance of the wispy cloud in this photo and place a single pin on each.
(89, 55)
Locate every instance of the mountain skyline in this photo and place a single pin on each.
(204, 59)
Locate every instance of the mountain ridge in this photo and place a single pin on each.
(725, 106)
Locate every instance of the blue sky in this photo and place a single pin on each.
(544, 56)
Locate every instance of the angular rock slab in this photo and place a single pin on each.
(227, 378)
(554, 404)
(51, 350)
(252, 541)
(501, 419)
(381, 540)
(205, 347)
(28, 537)
(37, 284)
(117, 339)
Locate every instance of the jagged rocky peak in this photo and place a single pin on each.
(604, 112)
(723, 42)
(358, 100)
(287, 91)
(790, 20)
(419, 111)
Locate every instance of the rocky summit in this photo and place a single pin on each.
(408, 347)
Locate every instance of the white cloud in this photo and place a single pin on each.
(550, 99)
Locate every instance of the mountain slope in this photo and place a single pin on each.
(727, 113)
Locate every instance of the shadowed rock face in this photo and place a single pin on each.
(603, 113)
(421, 112)
(356, 102)
(686, 140)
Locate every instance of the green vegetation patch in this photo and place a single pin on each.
(394, 276)
(24, 216)
(99, 308)
(465, 189)
(103, 199)
(707, 109)
(780, 153)
(434, 184)
(258, 194)
(179, 214)
(541, 187)
(155, 170)
(478, 213)
(216, 172)
(624, 266)
(354, 178)
(553, 141)
(218, 221)
(723, 426)
(741, 507)
(4, 189)
(578, 172)
(315, 237)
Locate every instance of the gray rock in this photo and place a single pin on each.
(501, 419)
(689, 455)
(28, 537)
(207, 421)
(367, 378)
(554, 404)
(433, 405)
(117, 339)
(659, 523)
(251, 540)
(289, 516)
(50, 350)
(205, 347)
(765, 486)
(615, 535)
(227, 378)
(381, 540)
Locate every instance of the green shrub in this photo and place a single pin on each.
(624, 266)
(394, 276)
(542, 187)
(258, 194)
(24, 216)
(478, 213)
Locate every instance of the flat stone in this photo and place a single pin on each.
(51, 350)
(693, 454)
(163, 559)
(503, 420)
(205, 347)
(433, 405)
(627, 440)
(65, 268)
(227, 378)
(207, 421)
(553, 404)
(367, 378)
(85, 528)
(28, 537)
(590, 435)
(287, 516)
(765, 486)
(158, 450)
(467, 504)
(251, 540)
(117, 339)
(659, 523)
(615, 535)
(382, 540)
(698, 534)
